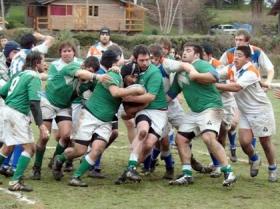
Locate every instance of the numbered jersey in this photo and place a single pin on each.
(22, 89)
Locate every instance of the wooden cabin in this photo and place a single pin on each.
(84, 15)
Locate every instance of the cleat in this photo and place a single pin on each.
(232, 156)
(77, 182)
(68, 166)
(132, 175)
(6, 171)
(216, 173)
(36, 173)
(19, 186)
(272, 176)
(121, 179)
(229, 179)
(182, 180)
(169, 174)
(255, 165)
(57, 169)
(96, 174)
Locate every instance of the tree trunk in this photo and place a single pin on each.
(278, 23)
(218, 4)
(256, 8)
(180, 19)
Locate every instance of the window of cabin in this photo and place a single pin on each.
(90, 11)
(93, 11)
(61, 10)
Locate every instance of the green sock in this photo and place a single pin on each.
(62, 157)
(226, 169)
(132, 164)
(21, 167)
(187, 169)
(59, 149)
(2, 158)
(39, 157)
(84, 166)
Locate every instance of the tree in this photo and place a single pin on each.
(167, 10)
(257, 9)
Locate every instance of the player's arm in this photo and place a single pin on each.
(123, 92)
(86, 75)
(265, 64)
(204, 78)
(145, 98)
(176, 66)
(48, 40)
(233, 87)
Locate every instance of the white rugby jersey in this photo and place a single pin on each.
(251, 99)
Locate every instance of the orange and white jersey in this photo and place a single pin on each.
(251, 99)
(97, 49)
(258, 57)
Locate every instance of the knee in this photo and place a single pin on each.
(143, 134)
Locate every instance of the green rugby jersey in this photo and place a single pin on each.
(61, 88)
(151, 79)
(199, 97)
(21, 89)
(101, 103)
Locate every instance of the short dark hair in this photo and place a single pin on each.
(116, 49)
(27, 41)
(156, 50)
(32, 59)
(197, 49)
(93, 62)
(208, 49)
(246, 50)
(140, 49)
(67, 44)
(108, 58)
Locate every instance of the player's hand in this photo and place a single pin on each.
(115, 69)
(140, 91)
(44, 132)
(265, 85)
(276, 93)
(104, 78)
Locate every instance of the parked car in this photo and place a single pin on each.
(222, 29)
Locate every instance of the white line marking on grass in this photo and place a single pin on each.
(19, 196)
(238, 159)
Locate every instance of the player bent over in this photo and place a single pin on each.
(21, 95)
(96, 118)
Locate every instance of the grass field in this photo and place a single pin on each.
(153, 192)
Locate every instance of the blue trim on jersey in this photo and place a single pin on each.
(163, 72)
(101, 71)
(255, 56)
(241, 72)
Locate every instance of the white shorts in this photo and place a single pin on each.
(175, 113)
(76, 109)
(175, 116)
(262, 124)
(50, 112)
(209, 119)
(16, 129)
(158, 118)
(87, 125)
